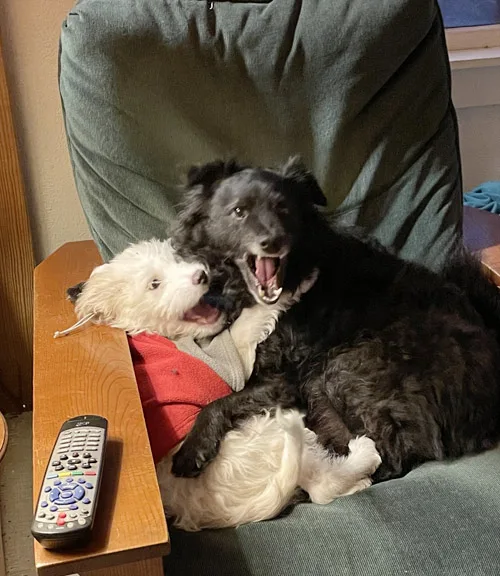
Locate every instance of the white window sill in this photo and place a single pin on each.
(474, 47)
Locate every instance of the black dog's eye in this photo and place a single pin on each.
(153, 285)
(239, 212)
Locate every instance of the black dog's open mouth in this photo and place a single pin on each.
(264, 276)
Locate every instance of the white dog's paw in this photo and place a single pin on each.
(360, 485)
(364, 452)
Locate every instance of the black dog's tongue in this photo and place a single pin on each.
(265, 269)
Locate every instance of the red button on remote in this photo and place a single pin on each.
(90, 473)
(62, 514)
(60, 522)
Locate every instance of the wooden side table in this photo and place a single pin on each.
(91, 372)
(4, 437)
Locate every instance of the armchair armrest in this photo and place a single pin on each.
(482, 235)
(90, 372)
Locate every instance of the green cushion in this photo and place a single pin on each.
(442, 519)
(360, 89)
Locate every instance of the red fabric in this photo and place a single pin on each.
(173, 387)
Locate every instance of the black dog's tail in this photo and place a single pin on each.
(466, 271)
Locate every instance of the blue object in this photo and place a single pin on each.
(54, 494)
(79, 492)
(485, 197)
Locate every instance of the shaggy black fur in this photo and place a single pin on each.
(379, 346)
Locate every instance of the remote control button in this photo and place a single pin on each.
(92, 473)
(84, 513)
(56, 463)
(69, 480)
(63, 457)
(73, 515)
(75, 454)
(62, 514)
(50, 476)
(64, 474)
(66, 486)
(77, 473)
(54, 508)
(92, 461)
(86, 501)
(41, 515)
(92, 449)
(58, 468)
(65, 502)
(86, 465)
(75, 461)
(60, 522)
(81, 480)
(67, 494)
(87, 455)
(54, 494)
(50, 526)
(73, 507)
(57, 482)
(40, 524)
(79, 492)
(71, 467)
(47, 489)
(82, 521)
(70, 524)
(50, 517)
(44, 504)
(89, 485)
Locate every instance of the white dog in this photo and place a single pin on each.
(148, 288)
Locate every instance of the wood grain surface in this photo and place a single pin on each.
(16, 269)
(90, 372)
(4, 436)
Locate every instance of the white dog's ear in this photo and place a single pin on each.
(302, 180)
(99, 295)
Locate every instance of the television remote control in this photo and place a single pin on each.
(66, 506)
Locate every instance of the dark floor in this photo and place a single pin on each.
(470, 12)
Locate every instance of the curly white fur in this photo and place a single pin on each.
(148, 288)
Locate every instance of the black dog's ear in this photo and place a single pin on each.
(296, 172)
(207, 175)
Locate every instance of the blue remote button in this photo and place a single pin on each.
(81, 481)
(69, 480)
(57, 482)
(67, 494)
(47, 489)
(54, 494)
(67, 486)
(53, 508)
(79, 492)
(89, 485)
(65, 502)
(86, 501)
(43, 504)
(73, 507)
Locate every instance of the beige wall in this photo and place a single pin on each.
(30, 33)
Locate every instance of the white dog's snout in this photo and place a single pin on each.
(200, 277)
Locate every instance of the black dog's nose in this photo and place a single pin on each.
(272, 245)
(200, 277)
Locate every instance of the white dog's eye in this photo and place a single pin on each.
(153, 285)
(240, 212)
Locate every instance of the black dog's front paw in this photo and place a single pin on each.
(193, 458)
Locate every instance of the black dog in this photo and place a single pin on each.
(379, 346)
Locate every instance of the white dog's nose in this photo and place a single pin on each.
(200, 277)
